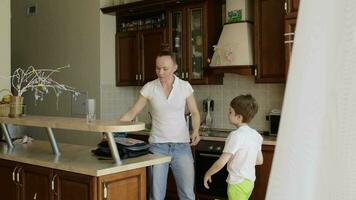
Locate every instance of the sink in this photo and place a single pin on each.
(216, 133)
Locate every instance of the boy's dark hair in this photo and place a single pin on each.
(165, 51)
(246, 106)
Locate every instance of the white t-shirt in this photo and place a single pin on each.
(244, 143)
(168, 122)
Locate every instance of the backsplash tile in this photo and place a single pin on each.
(117, 100)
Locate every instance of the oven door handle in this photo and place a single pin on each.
(209, 155)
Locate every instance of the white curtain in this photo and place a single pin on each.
(315, 157)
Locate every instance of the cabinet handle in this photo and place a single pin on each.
(186, 74)
(288, 41)
(14, 174)
(35, 196)
(183, 75)
(286, 6)
(255, 72)
(288, 34)
(105, 191)
(136, 77)
(18, 175)
(140, 77)
(53, 182)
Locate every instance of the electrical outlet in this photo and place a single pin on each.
(79, 103)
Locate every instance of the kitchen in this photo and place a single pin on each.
(71, 34)
(85, 53)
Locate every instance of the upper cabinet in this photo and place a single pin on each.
(269, 41)
(274, 32)
(291, 9)
(190, 27)
(138, 41)
(193, 30)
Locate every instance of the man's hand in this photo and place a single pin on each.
(195, 138)
(207, 179)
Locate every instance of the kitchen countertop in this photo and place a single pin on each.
(267, 140)
(70, 123)
(74, 158)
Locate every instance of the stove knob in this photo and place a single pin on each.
(218, 148)
(211, 147)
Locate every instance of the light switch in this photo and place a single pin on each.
(31, 10)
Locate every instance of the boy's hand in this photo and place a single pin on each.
(206, 180)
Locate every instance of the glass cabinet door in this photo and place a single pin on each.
(176, 41)
(196, 45)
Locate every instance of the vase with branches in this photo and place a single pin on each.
(39, 81)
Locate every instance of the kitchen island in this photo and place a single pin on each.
(31, 171)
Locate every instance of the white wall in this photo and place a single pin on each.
(4, 44)
(63, 32)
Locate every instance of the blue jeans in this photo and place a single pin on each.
(182, 165)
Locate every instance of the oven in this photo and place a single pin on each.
(207, 152)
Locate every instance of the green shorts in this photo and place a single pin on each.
(240, 191)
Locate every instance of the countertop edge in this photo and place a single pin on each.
(267, 140)
(39, 153)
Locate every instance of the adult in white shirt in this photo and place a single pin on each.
(168, 96)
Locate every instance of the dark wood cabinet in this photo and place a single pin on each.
(35, 182)
(20, 181)
(136, 53)
(291, 8)
(262, 173)
(289, 40)
(130, 185)
(9, 188)
(68, 185)
(190, 27)
(269, 41)
(193, 30)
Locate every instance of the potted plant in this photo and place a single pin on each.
(37, 80)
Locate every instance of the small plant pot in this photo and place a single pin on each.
(16, 106)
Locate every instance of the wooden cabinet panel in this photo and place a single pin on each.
(289, 40)
(262, 173)
(136, 56)
(141, 30)
(35, 182)
(8, 187)
(129, 185)
(269, 41)
(21, 181)
(70, 185)
(151, 41)
(127, 59)
(291, 7)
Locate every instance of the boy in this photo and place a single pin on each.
(242, 150)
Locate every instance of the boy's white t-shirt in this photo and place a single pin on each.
(168, 121)
(244, 145)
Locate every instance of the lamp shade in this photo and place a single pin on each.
(235, 46)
